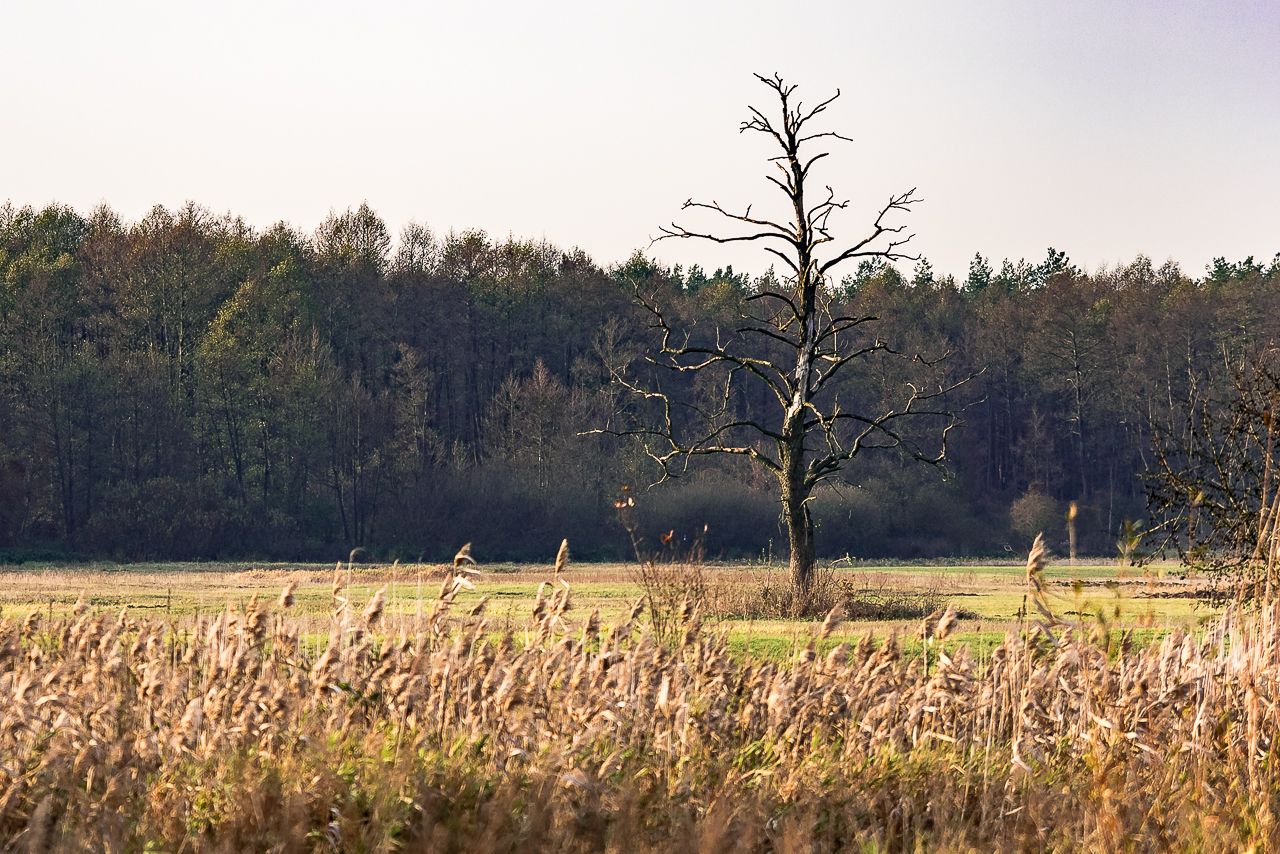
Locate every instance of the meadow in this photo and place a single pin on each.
(989, 596)
(292, 708)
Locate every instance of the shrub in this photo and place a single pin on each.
(1035, 513)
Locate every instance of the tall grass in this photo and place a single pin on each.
(433, 732)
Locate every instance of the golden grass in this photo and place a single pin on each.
(435, 730)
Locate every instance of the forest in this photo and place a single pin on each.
(189, 387)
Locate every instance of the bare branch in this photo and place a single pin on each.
(798, 345)
(901, 202)
(758, 367)
(836, 325)
(744, 217)
(881, 426)
(778, 296)
(769, 333)
(840, 361)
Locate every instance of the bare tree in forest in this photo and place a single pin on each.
(1214, 491)
(796, 340)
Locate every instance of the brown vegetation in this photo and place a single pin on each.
(430, 732)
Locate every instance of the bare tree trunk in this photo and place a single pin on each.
(800, 535)
(795, 497)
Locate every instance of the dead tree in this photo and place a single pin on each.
(1213, 493)
(792, 341)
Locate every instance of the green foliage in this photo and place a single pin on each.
(980, 274)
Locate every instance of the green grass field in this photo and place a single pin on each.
(991, 595)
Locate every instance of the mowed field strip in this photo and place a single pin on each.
(991, 597)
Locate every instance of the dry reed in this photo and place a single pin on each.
(443, 734)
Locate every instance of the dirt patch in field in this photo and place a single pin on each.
(1143, 588)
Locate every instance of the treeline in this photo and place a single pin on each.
(188, 387)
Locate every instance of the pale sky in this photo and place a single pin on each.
(1105, 128)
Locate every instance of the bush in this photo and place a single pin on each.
(1036, 513)
(871, 597)
(778, 598)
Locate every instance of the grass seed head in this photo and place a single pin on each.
(373, 611)
(562, 557)
(948, 622)
(832, 621)
(1037, 560)
(463, 557)
(837, 657)
(929, 626)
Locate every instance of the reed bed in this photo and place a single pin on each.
(438, 733)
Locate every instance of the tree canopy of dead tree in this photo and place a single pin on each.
(795, 338)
